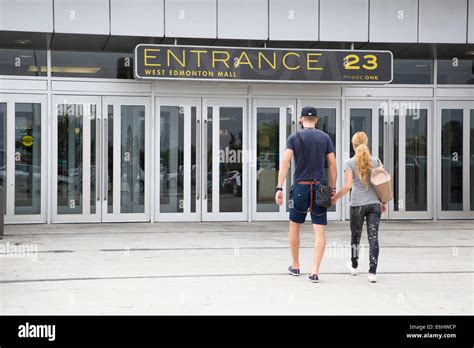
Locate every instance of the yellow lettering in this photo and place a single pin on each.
(146, 56)
(180, 62)
(261, 55)
(286, 56)
(239, 61)
(198, 56)
(223, 60)
(309, 60)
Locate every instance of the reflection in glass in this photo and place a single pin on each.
(3, 150)
(23, 62)
(110, 159)
(451, 159)
(416, 166)
(471, 185)
(230, 159)
(92, 64)
(70, 158)
(171, 159)
(327, 123)
(268, 164)
(132, 193)
(459, 71)
(412, 71)
(27, 158)
(381, 135)
(361, 120)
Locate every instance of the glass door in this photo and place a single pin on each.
(178, 159)
(455, 154)
(329, 122)
(272, 124)
(224, 160)
(125, 164)
(407, 147)
(99, 157)
(22, 157)
(75, 164)
(400, 135)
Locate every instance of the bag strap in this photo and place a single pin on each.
(303, 148)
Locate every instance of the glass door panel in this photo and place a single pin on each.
(455, 156)
(76, 195)
(179, 133)
(273, 124)
(125, 158)
(411, 159)
(22, 162)
(328, 122)
(224, 162)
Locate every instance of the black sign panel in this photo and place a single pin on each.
(262, 65)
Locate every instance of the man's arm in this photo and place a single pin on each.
(282, 173)
(331, 158)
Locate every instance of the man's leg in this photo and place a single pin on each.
(319, 246)
(294, 238)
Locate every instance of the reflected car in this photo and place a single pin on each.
(232, 183)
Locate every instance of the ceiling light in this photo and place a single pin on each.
(470, 53)
(23, 41)
(66, 69)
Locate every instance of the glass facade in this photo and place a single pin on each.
(23, 62)
(412, 71)
(456, 71)
(92, 64)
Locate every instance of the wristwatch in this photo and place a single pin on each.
(278, 189)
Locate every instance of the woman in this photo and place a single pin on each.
(364, 202)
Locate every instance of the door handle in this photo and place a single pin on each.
(106, 162)
(98, 162)
(198, 159)
(204, 157)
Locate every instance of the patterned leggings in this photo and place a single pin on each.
(372, 213)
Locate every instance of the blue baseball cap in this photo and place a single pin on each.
(309, 111)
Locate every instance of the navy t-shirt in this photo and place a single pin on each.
(318, 144)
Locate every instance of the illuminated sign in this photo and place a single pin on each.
(262, 64)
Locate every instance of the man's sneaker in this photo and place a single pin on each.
(313, 278)
(351, 269)
(372, 278)
(294, 271)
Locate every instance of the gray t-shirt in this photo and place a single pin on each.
(359, 194)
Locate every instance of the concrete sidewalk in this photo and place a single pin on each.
(231, 268)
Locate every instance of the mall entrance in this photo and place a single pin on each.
(201, 156)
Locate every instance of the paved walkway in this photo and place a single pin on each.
(231, 268)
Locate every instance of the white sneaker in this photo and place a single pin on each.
(351, 269)
(372, 278)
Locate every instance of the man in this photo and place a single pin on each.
(309, 168)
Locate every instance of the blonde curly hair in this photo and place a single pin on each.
(363, 157)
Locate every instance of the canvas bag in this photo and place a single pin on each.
(382, 183)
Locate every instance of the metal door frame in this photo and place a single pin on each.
(466, 106)
(9, 190)
(117, 103)
(282, 104)
(187, 103)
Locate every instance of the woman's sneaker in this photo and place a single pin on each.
(351, 269)
(294, 271)
(372, 278)
(313, 278)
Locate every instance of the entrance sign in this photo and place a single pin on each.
(262, 64)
